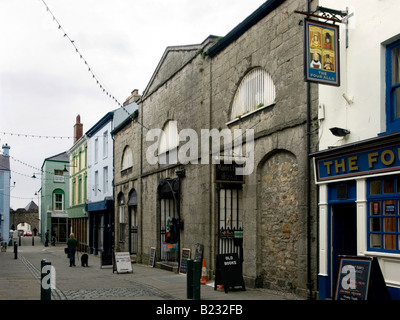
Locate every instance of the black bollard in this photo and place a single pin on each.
(196, 279)
(33, 240)
(189, 279)
(45, 280)
(15, 250)
(19, 240)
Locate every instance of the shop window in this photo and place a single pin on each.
(393, 87)
(256, 90)
(384, 214)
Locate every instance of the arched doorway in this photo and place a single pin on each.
(280, 221)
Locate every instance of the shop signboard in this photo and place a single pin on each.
(123, 262)
(229, 271)
(321, 56)
(152, 257)
(360, 278)
(355, 163)
(185, 255)
(226, 173)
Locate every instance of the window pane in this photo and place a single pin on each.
(375, 187)
(389, 207)
(375, 224)
(388, 186)
(390, 224)
(375, 240)
(375, 208)
(396, 102)
(390, 241)
(395, 65)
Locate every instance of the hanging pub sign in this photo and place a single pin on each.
(321, 56)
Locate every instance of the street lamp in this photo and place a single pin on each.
(65, 168)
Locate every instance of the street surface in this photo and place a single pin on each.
(20, 279)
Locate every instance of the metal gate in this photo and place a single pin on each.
(230, 225)
(168, 193)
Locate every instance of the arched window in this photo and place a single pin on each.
(169, 141)
(256, 90)
(127, 159)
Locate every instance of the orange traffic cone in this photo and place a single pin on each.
(204, 277)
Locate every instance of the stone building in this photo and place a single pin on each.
(237, 104)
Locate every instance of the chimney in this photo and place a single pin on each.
(78, 128)
(6, 150)
(134, 97)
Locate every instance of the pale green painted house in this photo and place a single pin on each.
(54, 197)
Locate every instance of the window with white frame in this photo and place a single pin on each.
(96, 182)
(393, 87)
(96, 150)
(105, 180)
(58, 200)
(256, 90)
(105, 144)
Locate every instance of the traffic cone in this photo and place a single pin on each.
(204, 277)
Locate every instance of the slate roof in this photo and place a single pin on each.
(4, 163)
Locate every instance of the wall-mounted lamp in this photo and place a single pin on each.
(339, 132)
(65, 168)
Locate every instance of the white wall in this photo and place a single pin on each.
(98, 165)
(374, 24)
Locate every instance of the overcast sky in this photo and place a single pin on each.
(45, 84)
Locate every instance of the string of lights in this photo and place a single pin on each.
(25, 135)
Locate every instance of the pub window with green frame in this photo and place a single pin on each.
(384, 214)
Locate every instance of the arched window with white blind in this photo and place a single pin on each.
(256, 90)
(127, 160)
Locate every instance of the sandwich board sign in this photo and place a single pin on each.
(122, 262)
(360, 278)
(229, 271)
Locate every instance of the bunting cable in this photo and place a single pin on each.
(84, 60)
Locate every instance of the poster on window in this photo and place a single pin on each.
(321, 57)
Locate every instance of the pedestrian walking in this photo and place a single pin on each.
(46, 240)
(72, 244)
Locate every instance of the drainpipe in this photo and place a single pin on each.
(308, 187)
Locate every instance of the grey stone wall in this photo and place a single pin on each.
(197, 91)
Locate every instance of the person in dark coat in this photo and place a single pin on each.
(72, 244)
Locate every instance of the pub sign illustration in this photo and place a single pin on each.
(321, 52)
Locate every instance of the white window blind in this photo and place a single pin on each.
(255, 90)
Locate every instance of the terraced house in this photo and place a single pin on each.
(77, 169)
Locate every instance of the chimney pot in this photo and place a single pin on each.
(78, 128)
